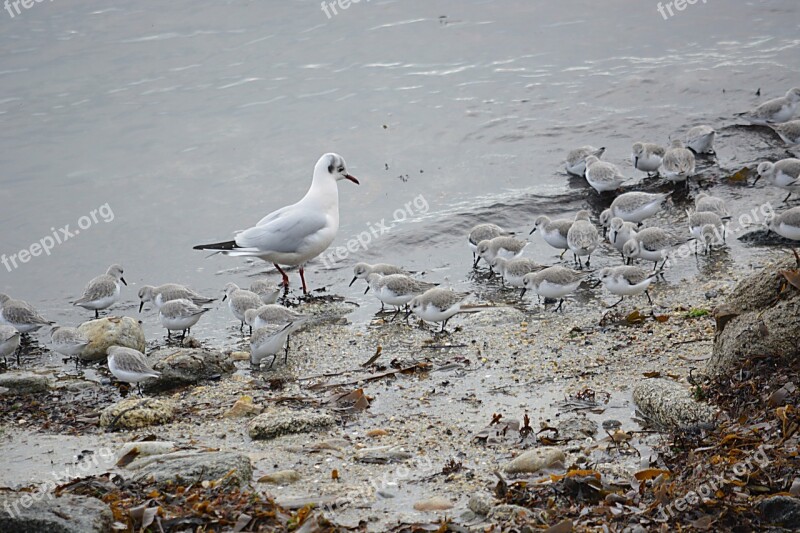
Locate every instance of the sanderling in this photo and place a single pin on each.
(650, 244)
(103, 291)
(774, 111)
(180, 315)
(363, 270)
(269, 340)
(553, 282)
(239, 301)
(603, 176)
(266, 290)
(626, 281)
(129, 365)
(711, 204)
(396, 289)
(505, 247)
(637, 206)
(678, 163)
(789, 132)
(576, 159)
(437, 305)
(20, 315)
(647, 157)
(700, 139)
(787, 224)
(297, 233)
(274, 314)
(784, 174)
(554, 232)
(620, 232)
(479, 233)
(699, 221)
(9, 342)
(513, 270)
(582, 237)
(167, 292)
(68, 341)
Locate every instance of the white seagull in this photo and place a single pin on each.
(297, 233)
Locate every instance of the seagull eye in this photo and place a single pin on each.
(341, 169)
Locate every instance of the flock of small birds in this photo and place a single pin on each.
(293, 235)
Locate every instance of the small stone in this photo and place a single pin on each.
(576, 428)
(243, 407)
(111, 331)
(275, 423)
(506, 512)
(373, 433)
(23, 382)
(239, 356)
(383, 455)
(436, 503)
(186, 366)
(136, 413)
(480, 504)
(535, 460)
(669, 405)
(281, 477)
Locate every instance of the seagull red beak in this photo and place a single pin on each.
(352, 178)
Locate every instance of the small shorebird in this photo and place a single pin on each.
(700, 139)
(575, 163)
(789, 132)
(650, 244)
(626, 281)
(20, 315)
(700, 223)
(270, 340)
(784, 174)
(9, 342)
(239, 301)
(363, 270)
(505, 247)
(705, 203)
(68, 341)
(602, 175)
(582, 237)
(437, 305)
(103, 291)
(129, 365)
(396, 289)
(295, 234)
(479, 233)
(180, 315)
(168, 292)
(678, 163)
(513, 270)
(787, 224)
(647, 157)
(620, 232)
(554, 232)
(636, 206)
(266, 290)
(553, 282)
(774, 111)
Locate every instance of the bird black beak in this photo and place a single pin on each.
(352, 178)
(534, 229)
(757, 178)
(635, 162)
(597, 284)
(224, 297)
(141, 304)
(123, 281)
(367, 290)
(522, 293)
(354, 280)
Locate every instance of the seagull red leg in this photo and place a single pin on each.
(303, 279)
(285, 277)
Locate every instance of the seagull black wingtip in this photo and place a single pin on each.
(226, 245)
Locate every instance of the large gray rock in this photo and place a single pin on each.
(111, 331)
(754, 321)
(669, 405)
(188, 467)
(22, 382)
(275, 423)
(781, 510)
(44, 513)
(136, 413)
(186, 366)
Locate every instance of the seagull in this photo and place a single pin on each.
(297, 233)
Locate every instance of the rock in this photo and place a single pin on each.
(536, 459)
(383, 455)
(754, 321)
(480, 504)
(186, 366)
(375, 433)
(275, 423)
(111, 331)
(131, 454)
(281, 477)
(240, 356)
(669, 405)
(576, 428)
(135, 413)
(781, 510)
(23, 382)
(506, 512)
(495, 317)
(188, 467)
(46, 513)
(437, 503)
(243, 407)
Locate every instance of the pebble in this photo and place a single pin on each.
(436, 503)
(281, 477)
(535, 460)
(275, 423)
(23, 382)
(243, 407)
(136, 413)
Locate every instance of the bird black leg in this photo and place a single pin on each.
(396, 313)
(646, 293)
(616, 304)
(275, 356)
(560, 302)
(286, 353)
(787, 198)
(97, 312)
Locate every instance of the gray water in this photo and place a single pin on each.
(190, 120)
